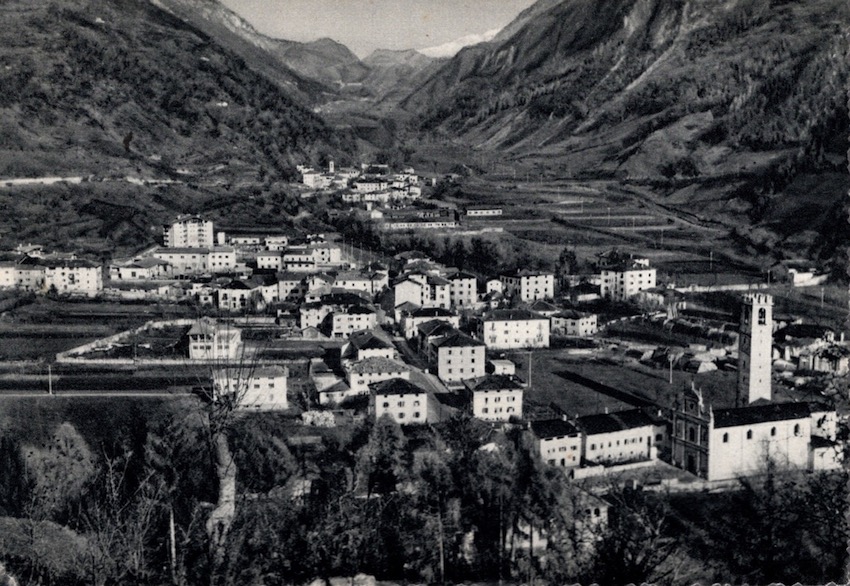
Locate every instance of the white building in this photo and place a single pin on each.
(458, 357)
(367, 344)
(399, 399)
(463, 290)
(723, 444)
(620, 282)
(506, 329)
(260, 388)
(557, 441)
(75, 277)
(270, 260)
(372, 370)
(624, 436)
(26, 277)
(352, 319)
(188, 232)
(494, 397)
(210, 340)
(574, 324)
(410, 321)
(529, 285)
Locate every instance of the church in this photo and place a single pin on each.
(722, 444)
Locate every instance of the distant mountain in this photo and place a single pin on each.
(721, 106)
(394, 74)
(263, 54)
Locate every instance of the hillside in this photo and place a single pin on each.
(81, 79)
(721, 108)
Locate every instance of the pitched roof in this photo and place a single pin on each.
(513, 315)
(618, 421)
(377, 364)
(753, 414)
(432, 312)
(461, 275)
(492, 382)
(396, 386)
(457, 340)
(368, 340)
(541, 305)
(801, 331)
(569, 314)
(549, 428)
(435, 327)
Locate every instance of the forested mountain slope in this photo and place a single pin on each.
(79, 77)
(724, 107)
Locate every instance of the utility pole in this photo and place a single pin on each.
(530, 356)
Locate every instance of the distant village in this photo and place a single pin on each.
(420, 342)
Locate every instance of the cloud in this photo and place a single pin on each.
(452, 47)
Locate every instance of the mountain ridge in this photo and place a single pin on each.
(719, 105)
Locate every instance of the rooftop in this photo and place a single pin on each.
(457, 340)
(432, 312)
(549, 428)
(492, 382)
(396, 386)
(513, 315)
(611, 422)
(763, 413)
(377, 364)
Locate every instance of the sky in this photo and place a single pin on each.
(366, 25)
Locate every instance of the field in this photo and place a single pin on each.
(41, 329)
(556, 377)
(592, 216)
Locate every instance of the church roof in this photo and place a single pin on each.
(753, 414)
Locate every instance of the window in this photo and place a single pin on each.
(772, 431)
(749, 434)
(762, 316)
(416, 415)
(725, 438)
(796, 429)
(385, 405)
(692, 434)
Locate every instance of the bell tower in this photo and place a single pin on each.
(755, 346)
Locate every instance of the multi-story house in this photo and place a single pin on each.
(463, 290)
(494, 397)
(26, 277)
(410, 321)
(557, 441)
(291, 287)
(367, 344)
(188, 232)
(506, 329)
(210, 340)
(529, 285)
(457, 357)
(620, 282)
(340, 324)
(76, 277)
(401, 400)
(424, 290)
(260, 388)
(272, 259)
(372, 370)
(575, 324)
(221, 259)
